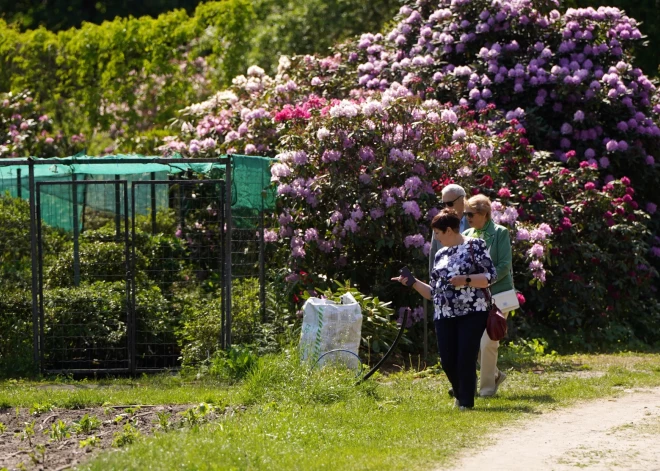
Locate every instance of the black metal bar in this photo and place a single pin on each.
(182, 218)
(97, 161)
(42, 315)
(80, 182)
(154, 228)
(228, 223)
(76, 232)
(87, 371)
(33, 253)
(262, 256)
(84, 207)
(117, 209)
(223, 240)
(19, 188)
(130, 278)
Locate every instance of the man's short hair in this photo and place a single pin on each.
(454, 189)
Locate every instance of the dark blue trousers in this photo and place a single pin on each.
(458, 345)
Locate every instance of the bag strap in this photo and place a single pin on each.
(486, 291)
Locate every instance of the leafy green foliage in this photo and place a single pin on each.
(233, 364)
(39, 408)
(200, 332)
(127, 436)
(16, 333)
(312, 26)
(118, 74)
(59, 431)
(27, 434)
(15, 259)
(86, 425)
(91, 442)
(58, 15)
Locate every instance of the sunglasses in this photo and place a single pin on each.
(449, 204)
(470, 214)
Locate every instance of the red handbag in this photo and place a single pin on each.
(496, 326)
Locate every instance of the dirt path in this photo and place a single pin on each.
(608, 434)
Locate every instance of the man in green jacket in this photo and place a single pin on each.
(498, 242)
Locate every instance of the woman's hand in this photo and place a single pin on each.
(419, 286)
(458, 281)
(401, 279)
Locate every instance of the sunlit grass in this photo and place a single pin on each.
(320, 420)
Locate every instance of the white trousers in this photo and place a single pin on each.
(488, 364)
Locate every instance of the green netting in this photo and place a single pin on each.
(251, 190)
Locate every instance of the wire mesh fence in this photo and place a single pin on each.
(84, 305)
(180, 252)
(123, 263)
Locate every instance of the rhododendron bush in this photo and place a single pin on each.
(571, 73)
(26, 130)
(465, 92)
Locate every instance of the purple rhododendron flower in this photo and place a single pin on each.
(536, 251)
(412, 208)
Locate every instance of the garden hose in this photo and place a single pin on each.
(389, 352)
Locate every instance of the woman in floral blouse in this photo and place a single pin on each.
(461, 269)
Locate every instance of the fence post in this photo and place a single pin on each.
(153, 205)
(228, 237)
(33, 251)
(117, 210)
(40, 271)
(130, 277)
(262, 256)
(76, 231)
(19, 190)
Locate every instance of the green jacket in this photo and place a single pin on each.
(499, 244)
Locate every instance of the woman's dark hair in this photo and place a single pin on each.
(447, 218)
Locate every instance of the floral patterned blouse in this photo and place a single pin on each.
(450, 301)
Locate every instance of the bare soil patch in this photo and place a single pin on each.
(51, 440)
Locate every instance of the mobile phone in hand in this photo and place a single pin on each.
(405, 272)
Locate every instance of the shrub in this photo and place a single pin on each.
(106, 261)
(233, 364)
(92, 317)
(200, 332)
(16, 352)
(127, 74)
(15, 244)
(27, 130)
(365, 146)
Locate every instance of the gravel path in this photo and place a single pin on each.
(607, 434)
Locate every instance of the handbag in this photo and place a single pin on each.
(496, 326)
(507, 300)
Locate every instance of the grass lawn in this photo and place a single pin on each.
(293, 420)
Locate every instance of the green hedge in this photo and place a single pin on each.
(127, 60)
(16, 333)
